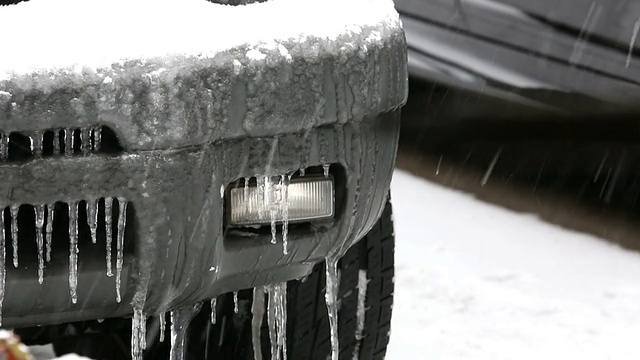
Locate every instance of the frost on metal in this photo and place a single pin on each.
(179, 87)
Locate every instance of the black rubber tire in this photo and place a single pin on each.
(308, 325)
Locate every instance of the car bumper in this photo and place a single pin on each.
(187, 132)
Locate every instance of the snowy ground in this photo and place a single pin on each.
(476, 281)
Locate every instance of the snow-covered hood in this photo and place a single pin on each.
(167, 74)
(46, 34)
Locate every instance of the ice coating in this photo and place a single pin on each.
(331, 299)
(138, 333)
(39, 212)
(3, 261)
(92, 218)
(180, 319)
(108, 220)
(49, 229)
(257, 312)
(14, 232)
(122, 222)
(73, 251)
(302, 50)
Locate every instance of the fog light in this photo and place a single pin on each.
(280, 200)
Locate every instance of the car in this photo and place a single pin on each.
(572, 58)
(543, 94)
(203, 162)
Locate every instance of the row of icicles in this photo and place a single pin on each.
(63, 142)
(276, 319)
(180, 319)
(276, 294)
(44, 219)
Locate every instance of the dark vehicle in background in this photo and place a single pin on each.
(569, 57)
(147, 171)
(538, 93)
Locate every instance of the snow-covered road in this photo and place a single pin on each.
(476, 281)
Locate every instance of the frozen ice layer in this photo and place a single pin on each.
(182, 73)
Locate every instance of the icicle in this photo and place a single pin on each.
(331, 299)
(56, 142)
(246, 189)
(269, 204)
(163, 325)
(277, 320)
(122, 222)
(108, 203)
(213, 310)
(301, 172)
(281, 319)
(85, 140)
(180, 320)
(73, 250)
(97, 138)
(36, 144)
(222, 191)
(325, 169)
(235, 302)
(14, 232)
(138, 333)
(4, 146)
(68, 142)
(360, 311)
(284, 206)
(49, 229)
(39, 210)
(92, 218)
(272, 323)
(257, 310)
(3, 256)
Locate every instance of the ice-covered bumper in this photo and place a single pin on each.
(182, 252)
(189, 126)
